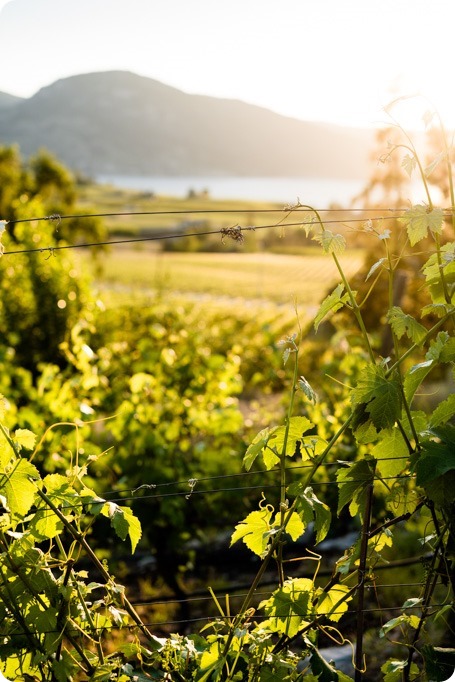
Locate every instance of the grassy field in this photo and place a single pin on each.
(302, 275)
(264, 277)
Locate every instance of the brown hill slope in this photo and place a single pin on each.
(119, 122)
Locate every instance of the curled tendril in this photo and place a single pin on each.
(148, 486)
(192, 484)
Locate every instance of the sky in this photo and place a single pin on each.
(340, 61)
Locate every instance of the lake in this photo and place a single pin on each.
(317, 192)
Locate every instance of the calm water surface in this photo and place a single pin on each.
(320, 193)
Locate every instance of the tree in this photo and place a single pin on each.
(42, 293)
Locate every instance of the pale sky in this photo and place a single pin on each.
(340, 61)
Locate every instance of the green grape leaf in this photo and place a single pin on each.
(437, 346)
(419, 219)
(406, 324)
(442, 349)
(432, 271)
(374, 267)
(377, 398)
(391, 453)
(257, 446)
(311, 508)
(270, 458)
(393, 670)
(331, 243)
(45, 524)
(404, 619)
(290, 606)
(294, 527)
(331, 304)
(254, 530)
(25, 438)
(56, 483)
(123, 522)
(297, 427)
(334, 602)
(211, 662)
(438, 309)
(448, 351)
(436, 459)
(18, 486)
(353, 483)
(443, 412)
(307, 390)
(419, 422)
(414, 377)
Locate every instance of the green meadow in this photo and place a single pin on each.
(276, 264)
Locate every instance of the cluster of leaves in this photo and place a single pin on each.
(54, 615)
(41, 297)
(172, 390)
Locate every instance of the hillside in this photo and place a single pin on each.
(7, 100)
(121, 123)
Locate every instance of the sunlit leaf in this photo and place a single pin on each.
(295, 527)
(331, 304)
(312, 509)
(19, 488)
(254, 530)
(307, 390)
(46, 524)
(391, 453)
(331, 243)
(441, 272)
(290, 606)
(402, 324)
(257, 446)
(334, 602)
(378, 396)
(25, 438)
(124, 523)
(285, 441)
(444, 411)
(374, 267)
(419, 219)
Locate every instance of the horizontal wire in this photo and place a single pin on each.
(255, 617)
(190, 481)
(181, 493)
(192, 491)
(196, 211)
(163, 237)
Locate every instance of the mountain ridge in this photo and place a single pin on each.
(117, 122)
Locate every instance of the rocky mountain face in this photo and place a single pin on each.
(120, 123)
